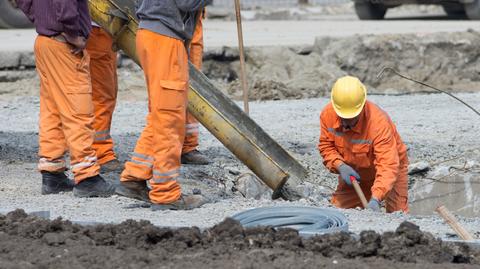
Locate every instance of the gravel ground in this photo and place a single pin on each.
(434, 127)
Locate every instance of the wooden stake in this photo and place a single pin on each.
(453, 222)
(359, 191)
(243, 72)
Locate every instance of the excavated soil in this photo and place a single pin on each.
(446, 60)
(31, 242)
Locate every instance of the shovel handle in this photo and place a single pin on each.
(359, 191)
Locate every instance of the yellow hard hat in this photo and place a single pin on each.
(348, 97)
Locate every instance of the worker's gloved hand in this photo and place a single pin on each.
(346, 172)
(374, 205)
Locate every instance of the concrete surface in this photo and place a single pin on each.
(434, 127)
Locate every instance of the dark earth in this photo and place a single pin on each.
(31, 242)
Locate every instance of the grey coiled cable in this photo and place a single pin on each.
(308, 221)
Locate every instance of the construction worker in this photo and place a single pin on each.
(165, 29)
(66, 109)
(103, 72)
(190, 153)
(359, 141)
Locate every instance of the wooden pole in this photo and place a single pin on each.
(243, 72)
(359, 191)
(453, 222)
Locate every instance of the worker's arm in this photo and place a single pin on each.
(27, 8)
(386, 161)
(192, 5)
(331, 157)
(67, 14)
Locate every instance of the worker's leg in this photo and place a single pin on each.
(52, 144)
(167, 87)
(397, 198)
(195, 57)
(140, 165)
(103, 69)
(346, 197)
(69, 86)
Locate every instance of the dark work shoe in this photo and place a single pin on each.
(186, 202)
(94, 186)
(111, 166)
(194, 157)
(55, 183)
(133, 189)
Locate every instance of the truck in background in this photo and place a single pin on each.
(11, 16)
(376, 9)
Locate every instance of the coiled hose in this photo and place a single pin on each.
(308, 221)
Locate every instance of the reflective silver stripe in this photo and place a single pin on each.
(141, 156)
(43, 163)
(93, 159)
(163, 180)
(142, 163)
(192, 131)
(84, 164)
(102, 138)
(166, 174)
(191, 125)
(102, 132)
(361, 141)
(333, 131)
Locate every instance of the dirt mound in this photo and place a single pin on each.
(446, 60)
(30, 242)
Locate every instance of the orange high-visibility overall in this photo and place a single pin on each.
(103, 72)
(66, 109)
(374, 149)
(196, 57)
(157, 153)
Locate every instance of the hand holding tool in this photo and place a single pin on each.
(374, 205)
(347, 172)
(359, 191)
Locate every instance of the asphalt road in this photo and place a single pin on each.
(265, 33)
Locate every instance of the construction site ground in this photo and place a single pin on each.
(290, 77)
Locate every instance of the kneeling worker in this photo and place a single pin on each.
(358, 139)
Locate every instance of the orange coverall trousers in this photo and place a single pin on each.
(157, 154)
(103, 72)
(66, 109)
(374, 149)
(196, 57)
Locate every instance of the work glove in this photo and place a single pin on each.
(374, 205)
(346, 172)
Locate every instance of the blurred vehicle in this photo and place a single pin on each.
(11, 16)
(376, 9)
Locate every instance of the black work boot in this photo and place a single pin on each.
(94, 186)
(55, 183)
(111, 166)
(133, 189)
(194, 157)
(185, 202)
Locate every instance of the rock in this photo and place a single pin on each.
(418, 167)
(252, 188)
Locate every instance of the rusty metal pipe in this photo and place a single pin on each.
(223, 118)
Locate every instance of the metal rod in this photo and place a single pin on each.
(380, 75)
(453, 222)
(243, 72)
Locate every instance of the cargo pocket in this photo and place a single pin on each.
(79, 92)
(173, 95)
(361, 156)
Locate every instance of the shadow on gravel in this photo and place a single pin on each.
(31, 242)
